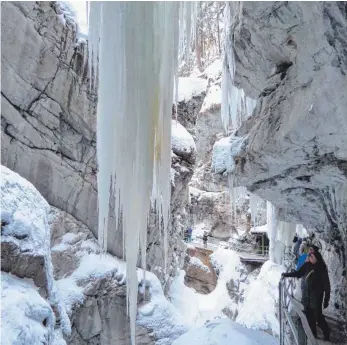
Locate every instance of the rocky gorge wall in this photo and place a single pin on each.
(292, 58)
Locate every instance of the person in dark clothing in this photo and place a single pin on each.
(186, 235)
(190, 234)
(204, 239)
(315, 290)
(296, 247)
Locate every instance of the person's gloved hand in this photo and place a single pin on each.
(283, 275)
(326, 304)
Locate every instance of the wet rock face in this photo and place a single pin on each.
(200, 273)
(292, 58)
(47, 113)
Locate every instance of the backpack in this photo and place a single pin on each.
(301, 261)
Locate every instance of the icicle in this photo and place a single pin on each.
(136, 45)
(254, 202)
(300, 230)
(271, 229)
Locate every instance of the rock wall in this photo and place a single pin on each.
(291, 57)
(47, 113)
(200, 273)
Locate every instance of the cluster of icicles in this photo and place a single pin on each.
(135, 48)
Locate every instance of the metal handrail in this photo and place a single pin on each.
(286, 299)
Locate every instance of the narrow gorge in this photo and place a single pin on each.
(246, 148)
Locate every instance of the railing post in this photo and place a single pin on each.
(301, 333)
(280, 311)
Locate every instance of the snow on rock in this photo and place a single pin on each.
(224, 153)
(225, 332)
(25, 239)
(159, 314)
(212, 100)
(77, 12)
(189, 87)
(92, 266)
(197, 308)
(214, 71)
(197, 262)
(26, 318)
(182, 143)
(261, 298)
(24, 211)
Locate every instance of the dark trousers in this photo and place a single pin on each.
(314, 316)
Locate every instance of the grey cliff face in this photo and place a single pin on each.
(292, 58)
(47, 113)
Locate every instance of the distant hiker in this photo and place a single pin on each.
(297, 247)
(315, 290)
(190, 233)
(303, 248)
(186, 235)
(204, 239)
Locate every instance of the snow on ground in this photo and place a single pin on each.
(212, 100)
(26, 318)
(181, 140)
(198, 229)
(225, 332)
(196, 308)
(261, 297)
(188, 87)
(214, 71)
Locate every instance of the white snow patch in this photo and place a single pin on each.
(214, 71)
(196, 309)
(212, 100)
(181, 140)
(224, 151)
(91, 266)
(221, 155)
(159, 314)
(172, 176)
(23, 313)
(77, 11)
(189, 87)
(225, 332)
(261, 298)
(26, 212)
(260, 229)
(197, 262)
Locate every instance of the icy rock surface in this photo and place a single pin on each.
(26, 318)
(47, 114)
(291, 57)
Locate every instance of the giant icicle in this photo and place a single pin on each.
(136, 45)
(271, 229)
